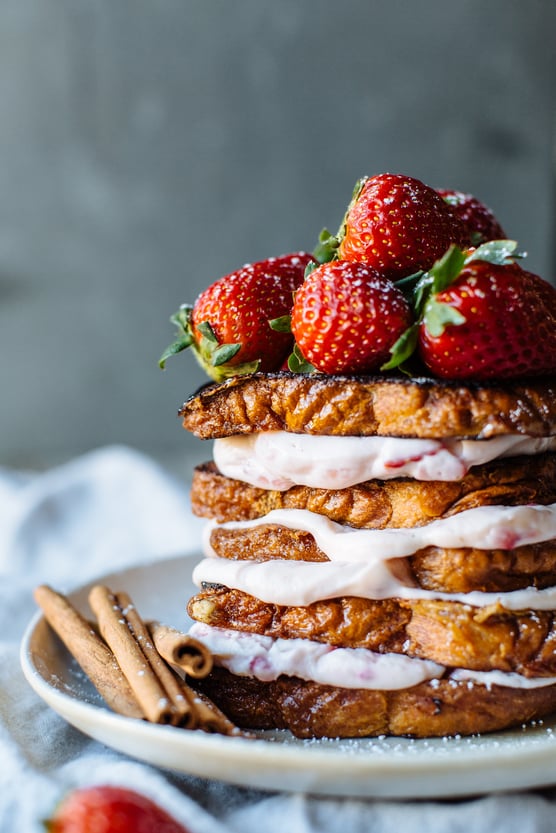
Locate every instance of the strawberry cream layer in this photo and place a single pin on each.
(359, 558)
(280, 460)
(362, 561)
(265, 658)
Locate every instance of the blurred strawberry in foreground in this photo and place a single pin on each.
(486, 320)
(478, 220)
(107, 809)
(398, 225)
(228, 327)
(346, 317)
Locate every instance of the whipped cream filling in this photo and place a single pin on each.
(253, 655)
(265, 658)
(358, 557)
(486, 527)
(280, 460)
(301, 583)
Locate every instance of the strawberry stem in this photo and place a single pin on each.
(325, 250)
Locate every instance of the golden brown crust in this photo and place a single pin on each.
(378, 504)
(310, 709)
(455, 570)
(450, 633)
(346, 622)
(367, 406)
(467, 569)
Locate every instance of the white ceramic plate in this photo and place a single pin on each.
(389, 767)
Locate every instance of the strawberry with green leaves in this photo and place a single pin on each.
(110, 809)
(395, 224)
(228, 327)
(346, 318)
(481, 316)
(478, 220)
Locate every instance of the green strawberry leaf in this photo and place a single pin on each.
(437, 316)
(451, 199)
(182, 320)
(421, 293)
(445, 271)
(225, 371)
(359, 185)
(283, 324)
(499, 252)
(297, 363)
(177, 346)
(441, 274)
(311, 266)
(206, 330)
(213, 357)
(403, 348)
(325, 250)
(409, 283)
(223, 353)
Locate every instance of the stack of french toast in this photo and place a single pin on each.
(380, 549)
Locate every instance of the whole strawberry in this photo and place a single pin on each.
(398, 225)
(107, 809)
(492, 320)
(228, 327)
(478, 220)
(346, 317)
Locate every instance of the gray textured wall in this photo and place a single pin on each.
(149, 146)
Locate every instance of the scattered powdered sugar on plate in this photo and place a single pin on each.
(535, 733)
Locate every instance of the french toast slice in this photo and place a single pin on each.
(378, 504)
(431, 709)
(453, 570)
(371, 406)
(451, 633)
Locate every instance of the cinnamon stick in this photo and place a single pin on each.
(211, 719)
(181, 650)
(90, 652)
(162, 694)
(129, 672)
(152, 686)
(195, 710)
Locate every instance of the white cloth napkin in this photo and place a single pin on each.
(109, 509)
